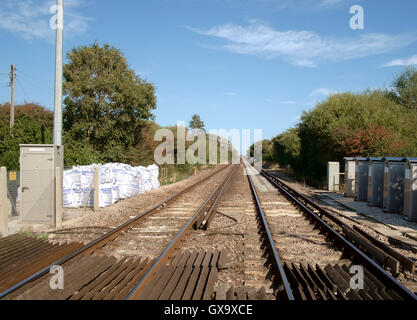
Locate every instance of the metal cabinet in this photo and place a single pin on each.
(350, 177)
(333, 176)
(37, 181)
(394, 172)
(410, 189)
(376, 182)
(361, 179)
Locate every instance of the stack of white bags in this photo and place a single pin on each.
(117, 181)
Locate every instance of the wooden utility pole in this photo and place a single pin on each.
(12, 83)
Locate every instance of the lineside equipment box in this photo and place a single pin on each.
(394, 173)
(350, 177)
(333, 170)
(410, 189)
(37, 182)
(361, 180)
(376, 182)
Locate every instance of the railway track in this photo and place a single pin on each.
(318, 251)
(233, 232)
(101, 260)
(226, 237)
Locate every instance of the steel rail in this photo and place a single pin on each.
(106, 238)
(285, 292)
(207, 217)
(139, 288)
(356, 254)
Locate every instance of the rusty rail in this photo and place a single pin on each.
(106, 238)
(139, 291)
(357, 255)
(204, 221)
(284, 289)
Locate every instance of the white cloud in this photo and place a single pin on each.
(288, 102)
(402, 62)
(307, 5)
(300, 47)
(318, 95)
(330, 3)
(30, 19)
(321, 92)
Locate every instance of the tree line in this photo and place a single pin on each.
(107, 115)
(374, 123)
(106, 109)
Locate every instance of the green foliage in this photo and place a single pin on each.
(286, 148)
(79, 152)
(33, 125)
(106, 103)
(405, 88)
(267, 150)
(196, 123)
(142, 151)
(370, 124)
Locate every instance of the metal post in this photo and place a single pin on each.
(58, 74)
(58, 198)
(4, 214)
(96, 188)
(12, 83)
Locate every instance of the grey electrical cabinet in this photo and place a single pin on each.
(394, 172)
(376, 182)
(333, 172)
(37, 182)
(350, 177)
(410, 189)
(361, 179)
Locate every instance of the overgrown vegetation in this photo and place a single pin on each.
(370, 124)
(33, 124)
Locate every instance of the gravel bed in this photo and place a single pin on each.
(234, 229)
(104, 219)
(406, 278)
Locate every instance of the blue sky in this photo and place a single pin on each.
(239, 64)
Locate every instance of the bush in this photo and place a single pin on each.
(33, 125)
(286, 148)
(370, 124)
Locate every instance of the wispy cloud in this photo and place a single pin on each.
(321, 92)
(331, 3)
(402, 62)
(318, 95)
(30, 19)
(230, 94)
(289, 102)
(301, 47)
(307, 5)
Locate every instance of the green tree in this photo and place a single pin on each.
(33, 125)
(196, 123)
(106, 103)
(287, 148)
(405, 88)
(267, 150)
(25, 131)
(367, 124)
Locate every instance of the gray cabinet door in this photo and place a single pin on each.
(37, 187)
